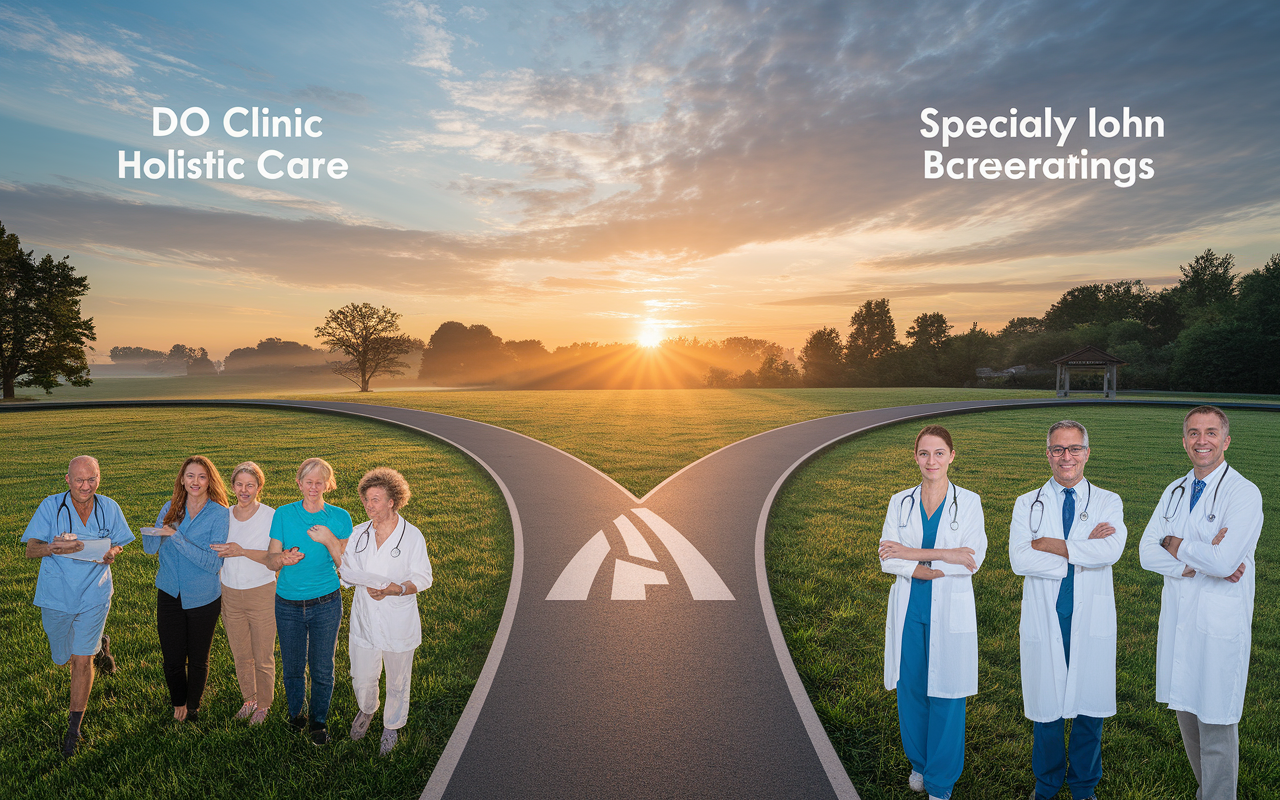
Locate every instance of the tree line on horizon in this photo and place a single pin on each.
(1213, 331)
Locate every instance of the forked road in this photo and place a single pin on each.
(639, 655)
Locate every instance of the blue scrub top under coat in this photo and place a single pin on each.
(188, 567)
(919, 607)
(67, 584)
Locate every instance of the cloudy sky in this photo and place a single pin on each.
(585, 171)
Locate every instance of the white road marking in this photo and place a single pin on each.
(636, 545)
(704, 582)
(630, 579)
(575, 582)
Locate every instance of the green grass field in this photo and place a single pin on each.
(831, 596)
(137, 750)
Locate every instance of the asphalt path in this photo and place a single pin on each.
(639, 654)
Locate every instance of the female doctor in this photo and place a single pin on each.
(934, 539)
(386, 626)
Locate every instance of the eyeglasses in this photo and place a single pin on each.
(1058, 451)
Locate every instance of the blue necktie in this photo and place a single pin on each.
(1196, 489)
(1066, 589)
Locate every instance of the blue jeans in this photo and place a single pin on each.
(308, 631)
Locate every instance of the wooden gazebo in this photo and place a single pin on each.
(1091, 359)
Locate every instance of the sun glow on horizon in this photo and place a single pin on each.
(651, 336)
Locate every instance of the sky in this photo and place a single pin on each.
(595, 171)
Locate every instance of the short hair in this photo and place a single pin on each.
(935, 430)
(72, 462)
(251, 468)
(1066, 423)
(386, 478)
(311, 464)
(1214, 410)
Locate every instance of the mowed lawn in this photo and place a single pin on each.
(136, 749)
(831, 597)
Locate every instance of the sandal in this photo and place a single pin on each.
(247, 709)
(259, 715)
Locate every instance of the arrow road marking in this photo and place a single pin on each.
(630, 579)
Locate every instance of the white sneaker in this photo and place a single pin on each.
(389, 737)
(916, 781)
(360, 726)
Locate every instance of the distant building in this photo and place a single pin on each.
(1089, 359)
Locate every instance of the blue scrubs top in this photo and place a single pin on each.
(920, 606)
(67, 584)
(315, 575)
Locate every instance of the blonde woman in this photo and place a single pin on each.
(249, 593)
(386, 627)
(188, 594)
(306, 544)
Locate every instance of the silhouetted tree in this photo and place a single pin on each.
(872, 338)
(42, 334)
(370, 337)
(776, 372)
(121, 355)
(823, 358)
(458, 352)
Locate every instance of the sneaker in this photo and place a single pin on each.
(389, 737)
(70, 742)
(298, 723)
(916, 781)
(360, 726)
(258, 716)
(103, 660)
(319, 734)
(193, 715)
(247, 709)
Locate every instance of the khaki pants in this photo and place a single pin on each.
(1214, 753)
(249, 617)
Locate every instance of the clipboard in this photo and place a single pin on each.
(94, 550)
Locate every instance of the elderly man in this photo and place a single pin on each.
(1201, 538)
(76, 535)
(1063, 539)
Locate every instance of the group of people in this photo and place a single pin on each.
(1064, 538)
(266, 572)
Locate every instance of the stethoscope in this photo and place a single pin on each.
(904, 519)
(1035, 523)
(1180, 491)
(97, 520)
(363, 541)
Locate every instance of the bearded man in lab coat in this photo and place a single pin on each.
(1063, 539)
(1201, 538)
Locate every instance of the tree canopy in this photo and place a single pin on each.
(370, 337)
(43, 335)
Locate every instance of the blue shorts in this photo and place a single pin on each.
(74, 634)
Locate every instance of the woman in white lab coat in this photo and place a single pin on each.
(933, 540)
(386, 559)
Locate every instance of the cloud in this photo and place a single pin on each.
(334, 100)
(424, 24)
(37, 33)
(473, 14)
(701, 127)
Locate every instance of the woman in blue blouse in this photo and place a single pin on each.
(307, 540)
(188, 594)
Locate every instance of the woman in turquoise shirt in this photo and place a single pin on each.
(188, 593)
(307, 540)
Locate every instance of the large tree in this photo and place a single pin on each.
(370, 337)
(42, 334)
(823, 358)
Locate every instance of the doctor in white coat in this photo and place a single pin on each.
(933, 540)
(1063, 538)
(386, 626)
(1202, 537)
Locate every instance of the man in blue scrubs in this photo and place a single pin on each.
(74, 595)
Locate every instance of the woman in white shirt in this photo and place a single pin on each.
(933, 539)
(249, 592)
(386, 560)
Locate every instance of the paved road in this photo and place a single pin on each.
(639, 655)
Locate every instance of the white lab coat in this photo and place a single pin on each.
(392, 623)
(1202, 652)
(953, 618)
(1050, 690)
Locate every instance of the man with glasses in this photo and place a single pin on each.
(77, 534)
(1063, 539)
(1201, 538)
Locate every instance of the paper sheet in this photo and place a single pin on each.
(94, 550)
(358, 577)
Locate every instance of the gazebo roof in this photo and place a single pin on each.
(1088, 357)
